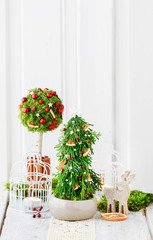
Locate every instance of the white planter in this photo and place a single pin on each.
(73, 210)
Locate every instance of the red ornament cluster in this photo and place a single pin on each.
(42, 120)
(38, 212)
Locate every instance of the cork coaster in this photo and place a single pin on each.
(114, 216)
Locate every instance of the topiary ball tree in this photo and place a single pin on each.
(41, 111)
(76, 178)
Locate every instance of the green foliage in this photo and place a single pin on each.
(137, 200)
(76, 165)
(54, 184)
(31, 117)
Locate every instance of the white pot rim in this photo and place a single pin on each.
(94, 198)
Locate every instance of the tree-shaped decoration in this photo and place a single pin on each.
(41, 111)
(76, 178)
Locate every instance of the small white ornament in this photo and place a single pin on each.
(84, 172)
(66, 180)
(37, 114)
(63, 193)
(70, 183)
(85, 135)
(71, 132)
(85, 180)
(80, 142)
(66, 155)
(74, 149)
(50, 104)
(70, 167)
(60, 154)
(73, 121)
(78, 130)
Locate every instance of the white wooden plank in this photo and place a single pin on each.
(149, 217)
(3, 204)
(134, 228)
(23, 226)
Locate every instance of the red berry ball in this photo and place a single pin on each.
(62, 170)
(40, 101)
(83, 166)
(41, 207)
(39, 215)
(51, 127)
(46, 89)
(40, 90)
(24, 99)
(60, 110)
(54, 93)
(70, 158)
(89, 141)
(34, 96)
(62, 106)
(42, 121)
(77, 136)
(49, 95)
(81, 152)
(34, 216)
(26, 110)
(34, 209)
(46, 109)
(64, 129)
(86, 192)
(79, 178)
(56, 126)
(54, 121)
(57, 105)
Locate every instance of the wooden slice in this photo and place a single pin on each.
(87, 152)
(70, 143)
(52, 113)
(85, 127)
(114, 216)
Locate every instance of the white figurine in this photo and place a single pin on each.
(119, 193)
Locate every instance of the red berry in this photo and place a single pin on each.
(46, 109)
(79, 178)
(41, 207)
(64, 129)
(49, 95)
(39, 215)
(46, 89)
(51, 127)
(62, 170)
(54, 93)
(56, 126)
(62, 106)
(26, 110)
(70, 158)
(54, 121)
(34, 216)
(34, 209)
(24, 99)
(89, 141)
(77, 136)
(60, 110)
(86, 192)
(83, 166)
(81, 152)
(57, 105)
(34, 96)
(40, 90)
(40, 101)
(42, 121)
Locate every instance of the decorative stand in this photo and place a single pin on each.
(30, 183)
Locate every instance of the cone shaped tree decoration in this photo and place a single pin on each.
(77, 180)
(41, 111)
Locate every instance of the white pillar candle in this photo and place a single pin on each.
(32, 202)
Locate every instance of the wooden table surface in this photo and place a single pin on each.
(20, 226)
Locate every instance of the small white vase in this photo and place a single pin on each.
(73, 210)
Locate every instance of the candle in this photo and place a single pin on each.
(32, 202)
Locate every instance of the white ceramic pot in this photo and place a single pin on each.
(73, 210)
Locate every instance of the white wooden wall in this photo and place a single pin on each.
(98, 56)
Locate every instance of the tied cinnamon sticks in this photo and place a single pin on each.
(37, 169)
